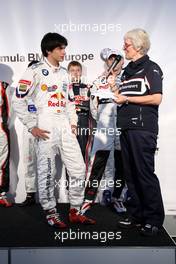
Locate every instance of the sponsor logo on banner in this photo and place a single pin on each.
(45, 72)
(20, 58)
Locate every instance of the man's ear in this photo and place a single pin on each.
(138, 49)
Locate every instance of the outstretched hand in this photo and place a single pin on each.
(40, 133)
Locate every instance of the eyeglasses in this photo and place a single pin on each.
(126, 45)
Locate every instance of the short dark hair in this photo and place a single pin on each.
(74, 63)
(51, 41)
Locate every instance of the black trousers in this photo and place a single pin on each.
(98, 168)
(119, 180)
(83, 131)
(138, 150)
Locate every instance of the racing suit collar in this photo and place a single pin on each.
(54, 68)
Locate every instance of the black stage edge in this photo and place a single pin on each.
(26, 227)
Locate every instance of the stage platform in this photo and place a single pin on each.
(24, 237)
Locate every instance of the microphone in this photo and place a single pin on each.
(114, 64)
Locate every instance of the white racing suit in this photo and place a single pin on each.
(30, 161)
(106, 140)
(49, 89)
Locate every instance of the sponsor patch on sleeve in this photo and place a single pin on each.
(25, 82)
(21, 94)
(23, 88)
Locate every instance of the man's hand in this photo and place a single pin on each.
(120, 99)
(74, 129)
(40, 133)
(151, 99)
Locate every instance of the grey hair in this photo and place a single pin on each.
(140, 40)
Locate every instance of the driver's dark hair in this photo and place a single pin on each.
(51, 41)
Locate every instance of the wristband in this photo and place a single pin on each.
(127, 101)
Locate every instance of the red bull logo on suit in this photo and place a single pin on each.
(59, 103)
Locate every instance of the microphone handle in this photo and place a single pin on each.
(113, 65)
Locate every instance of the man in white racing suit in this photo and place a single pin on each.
(29, 155)
(54, 125)
(106, 138)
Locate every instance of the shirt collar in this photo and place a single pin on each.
(140, 61)
(54, 68)
(135, 66)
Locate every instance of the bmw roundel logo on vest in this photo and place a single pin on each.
(45, 72)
